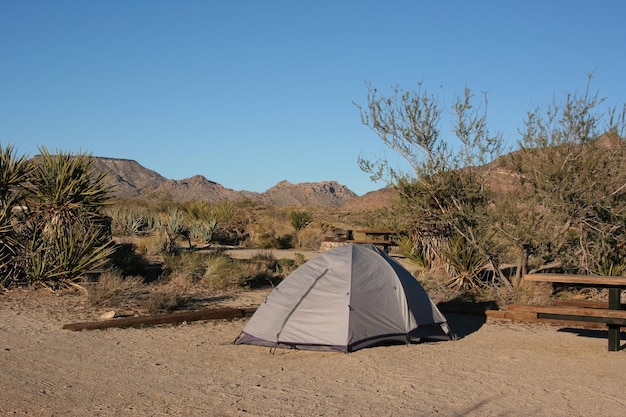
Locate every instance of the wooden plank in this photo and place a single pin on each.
(587, 280)
(583, 318)
(522, 307)
(171, 318)
(585, 304)
(581, 312)
(373, 241)
(378, 232)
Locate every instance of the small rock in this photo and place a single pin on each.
(108, 315)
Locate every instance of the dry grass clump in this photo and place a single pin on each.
(168, 296)
(524, 293)
(434, 283)
(310, 238)
(264, 269)
(113, 290)
(214, 271)
(270, 229)
(223, 273)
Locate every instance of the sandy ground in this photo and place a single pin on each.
(495, 368)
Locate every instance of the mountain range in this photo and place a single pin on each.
(131, 180)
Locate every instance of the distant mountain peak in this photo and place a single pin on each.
(131, 180)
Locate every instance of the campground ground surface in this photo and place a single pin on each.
(496, 368)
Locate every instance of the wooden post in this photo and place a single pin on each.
(614, 330)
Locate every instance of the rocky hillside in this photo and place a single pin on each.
(200, 188)
(326, 193)
(371, 201)
(129, 178)
(132, 180)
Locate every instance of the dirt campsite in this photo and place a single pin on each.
(494, 368)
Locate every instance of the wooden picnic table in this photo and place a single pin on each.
(376, 237)
(614, 316)
(385, 234)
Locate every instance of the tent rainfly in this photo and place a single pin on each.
(347, 298)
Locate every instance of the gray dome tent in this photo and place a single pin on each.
(347, 298)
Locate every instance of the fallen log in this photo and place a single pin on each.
(169, 318)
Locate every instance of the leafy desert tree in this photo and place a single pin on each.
(443, 199)
(572, 171)
(63, 234)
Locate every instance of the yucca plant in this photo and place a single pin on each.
(414, 251)
(64, 186)
(465, 262)
(203, 230)
(62, 234)
(609, 268)
(131, 221)
(13, 173)
(173, 225)
(61, 260)
(300, 219)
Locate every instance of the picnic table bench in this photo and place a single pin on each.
(612, 313)
(376, 237)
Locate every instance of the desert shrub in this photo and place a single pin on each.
(174, 225)
(524, 293)
(152, 245)
(213, 271)
(223, 273)
(262, 269)
(268, 236)
(13, 173)
(300, 218)
(168, 296)
(131, 220)
(189, 266)
(113, 290)
(57, 233)
(310, 238)
(285, 266)
(414, 251)
(466, 263)
(299, 259)
(434, 282)
(126, 260)
(203, 231)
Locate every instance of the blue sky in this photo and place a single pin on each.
(249, 93)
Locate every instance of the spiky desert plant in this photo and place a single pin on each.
(131, 220)
(415, 252)
(203, 230)
(63, 232)
(466, 263)
(65, 187)
(300, 219)
(173, 224)
(13, 173)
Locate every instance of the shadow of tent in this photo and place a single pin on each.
(465, 318)
(594, 333)
(462, 325)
